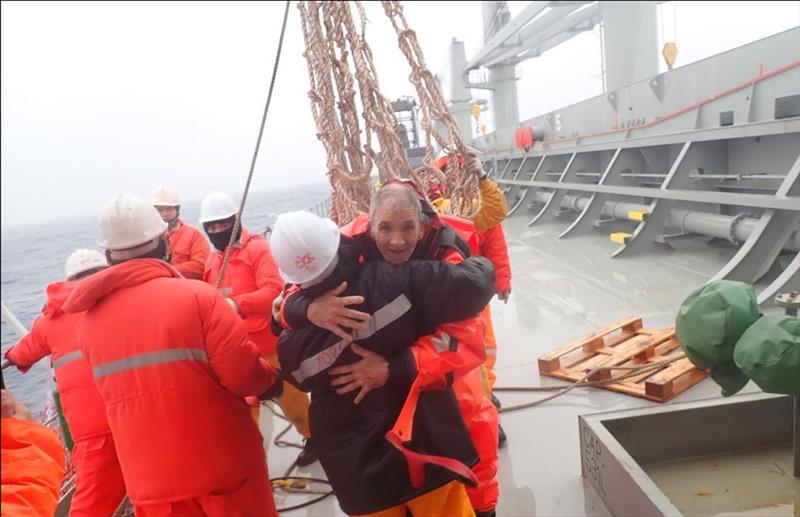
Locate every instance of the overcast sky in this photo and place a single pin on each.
(106, 98)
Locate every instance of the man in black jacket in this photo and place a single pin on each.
(406, 301)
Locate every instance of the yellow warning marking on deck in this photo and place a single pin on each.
(620, 237)
(637, 215)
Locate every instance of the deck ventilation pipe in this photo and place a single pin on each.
(734, 228)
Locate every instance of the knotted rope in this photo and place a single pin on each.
(338, 58)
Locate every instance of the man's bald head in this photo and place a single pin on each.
(395, 220)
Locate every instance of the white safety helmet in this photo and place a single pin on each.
(217, 206)
(127, 222)
(305, 247)
(164, 196)
(81, 261)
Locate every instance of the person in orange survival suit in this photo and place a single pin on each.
(396, 243)
(492, 246)
(251, 284)
(173, 365)
(32, 463)
(99, 486)
(188, 249)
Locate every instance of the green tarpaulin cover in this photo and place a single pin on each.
(769, 353)
(710, 322)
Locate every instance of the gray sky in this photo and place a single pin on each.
(104, 98)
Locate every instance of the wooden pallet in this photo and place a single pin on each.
(626, 343)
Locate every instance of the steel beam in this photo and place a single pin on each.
(594, 209)
(537, 35)
(522, 196)
(495, 42)
(760, 250)
(646, 232)
(554, 205)
(789, 203)
(521, 166)
(508, 163)
(787, 281)
(512, 189)
(540, 49)
(533, 176)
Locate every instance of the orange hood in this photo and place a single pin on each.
(130, 273)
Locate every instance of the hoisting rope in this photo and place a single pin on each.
(338, 57)
(238, 222)
(334, 47)
(460, 186)
(584, 382)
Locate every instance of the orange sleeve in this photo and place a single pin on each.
(32, 468)
(268, 280)
(493, 205)
(455, 348)
(31, 348)
(234, 358)
(290, 291)
(198, 253)
(495, 249)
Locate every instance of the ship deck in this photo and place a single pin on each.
(562, 289)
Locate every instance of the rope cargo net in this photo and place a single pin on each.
(339, 58)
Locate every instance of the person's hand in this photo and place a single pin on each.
(12, 408)
(329, 311)
(233, 305)
(368, 374)
(503, 295)
(473, 165)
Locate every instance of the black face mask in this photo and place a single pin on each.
(220, 240)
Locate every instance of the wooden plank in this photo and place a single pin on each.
(674, 380)
(620, 354)
(641, 347)
(552, 360)
(636, 390)
(672, 372)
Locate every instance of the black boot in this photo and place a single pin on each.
(496, 402)
(488, 513)
(501, 437)
(307, 455)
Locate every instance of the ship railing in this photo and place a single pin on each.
(320, 208)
